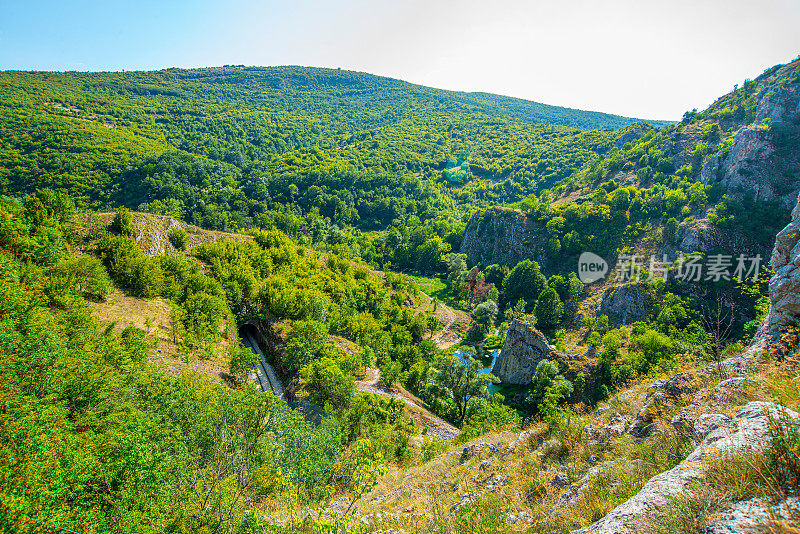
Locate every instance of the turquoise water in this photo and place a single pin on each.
(487, 363)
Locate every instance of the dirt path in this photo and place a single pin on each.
(437, 427)
(438, 337)
(456, 323)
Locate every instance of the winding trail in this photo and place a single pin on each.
(438, 337)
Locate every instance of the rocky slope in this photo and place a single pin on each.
(628, 303)
(757, 162)
(749, 429)
(152, 232)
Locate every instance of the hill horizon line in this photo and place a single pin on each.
(653, 121)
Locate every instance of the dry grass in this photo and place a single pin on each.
(777, 381)
(527, 496)
(154, 316)
(688, 514)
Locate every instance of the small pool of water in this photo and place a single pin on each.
(487, 363)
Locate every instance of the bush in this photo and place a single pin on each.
(90, 276)
(122, 224)
(525, 281)
(655, 348)
(390, 373)
(488, 417)
(308, 340)
(327, 384)
(485, 313)
(548, 388)
(179, 238)
(304, 452)
(241, 361)
(204, 315)
(130, 268)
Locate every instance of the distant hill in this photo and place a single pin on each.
(307, 88)
(535, 112)
(80, 130)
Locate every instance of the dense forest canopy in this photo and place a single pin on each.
(79, 130)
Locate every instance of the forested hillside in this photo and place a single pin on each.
(406, 262)
(78, 130)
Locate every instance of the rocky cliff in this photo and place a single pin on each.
(628, 303)
(749, 429)
(760, 161)
(784, 286)
(524, 348)
(505, 236)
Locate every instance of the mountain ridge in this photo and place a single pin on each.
(282, 76)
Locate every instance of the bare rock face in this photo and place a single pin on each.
(784, 286)
(697, 236)
(754, 164)
(504, 236)
(627, 304)
(524, 348)
(701, 235)
(750, 429)
(754, 516)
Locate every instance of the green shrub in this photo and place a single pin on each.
(88, 274)
(305, 453)
(241, 360)
(327, 384)
(307, 341)
(179, 238)
(130, 268)
(122, 224)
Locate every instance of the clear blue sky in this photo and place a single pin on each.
(643, 58)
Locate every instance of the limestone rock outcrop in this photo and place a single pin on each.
(755, 164)
(750, 430)
(754, 516)
(627, 304)
(784, 286)
(524, 348)
(505, 236)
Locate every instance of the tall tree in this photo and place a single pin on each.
(462, 383)
(549, 309)
(525, 281)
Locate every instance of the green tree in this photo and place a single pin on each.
(456, 267)
(327, 384)
(525, 281)
(390, 372)
(485, 313)
(179, 238)
(620, 199)
(87, 273)
(548, 309)
(670, 230)
(122, 224)
(307, 341)
(655, 347)
(548, 387)
(429, 255)
(462, 383)
(495, 274)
